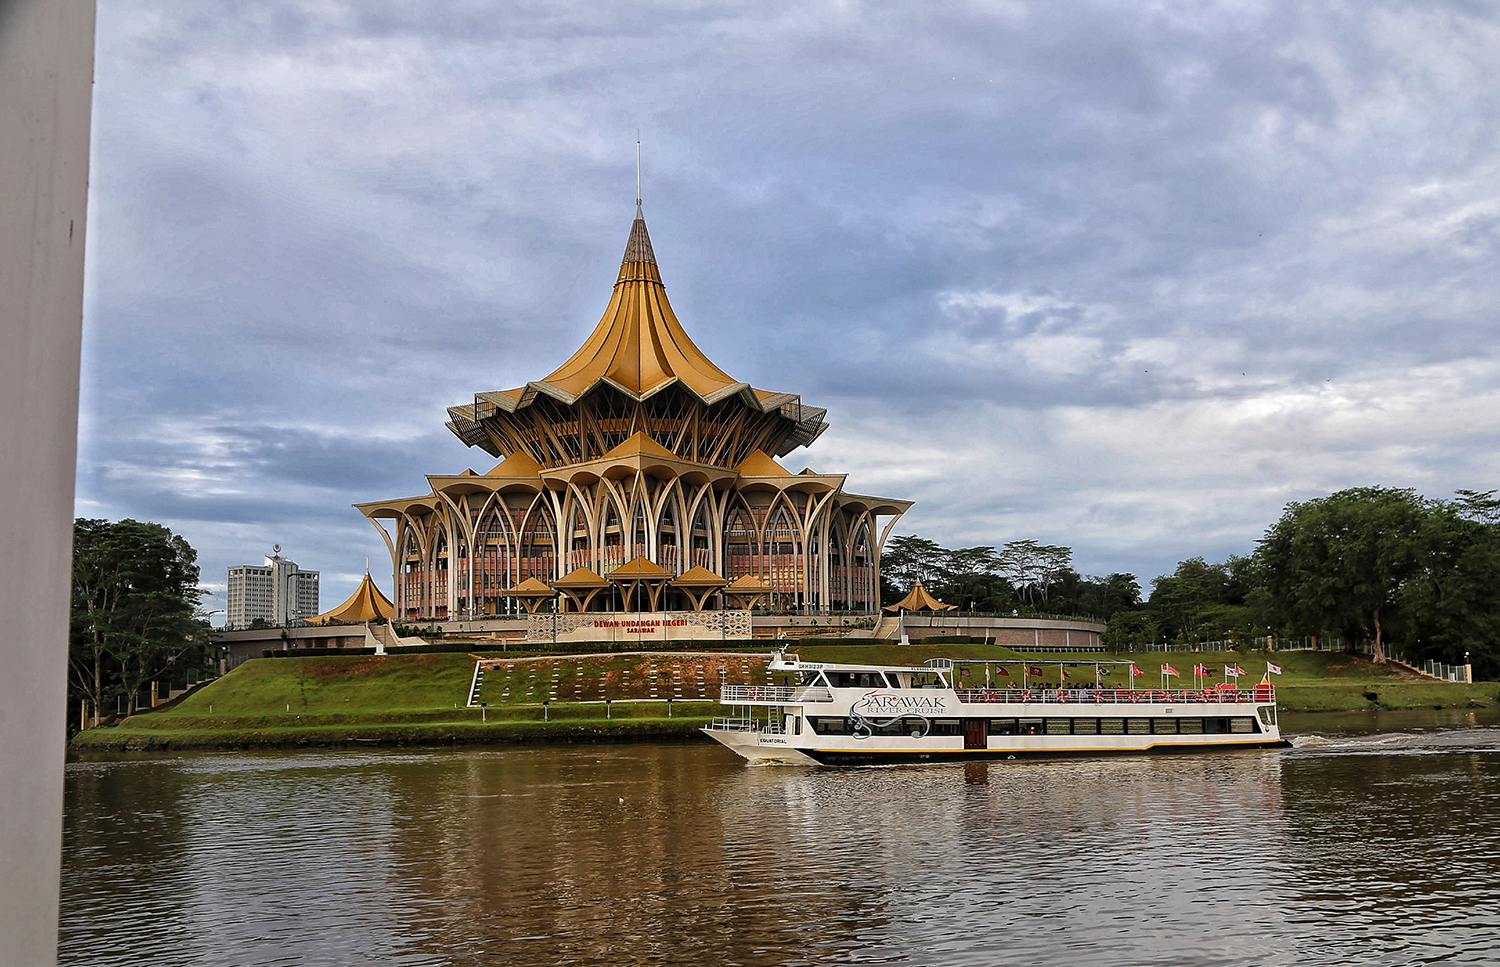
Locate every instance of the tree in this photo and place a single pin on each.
(135, 597)
(908, 560)
(1451, 603)
(965, 574)
(1340, 562)
(1032, 567)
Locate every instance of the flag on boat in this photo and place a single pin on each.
(1136, 671)
(1033, 671)
(1063, 673)
(1201, 670)
(1000, 670)
(1234, 670)
(1169, 670)
(1273, 669)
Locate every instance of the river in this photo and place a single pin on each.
(1373, 841)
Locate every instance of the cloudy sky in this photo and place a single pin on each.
(1124, 276)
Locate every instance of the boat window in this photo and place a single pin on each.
(1216, 726)
(1059, 726)
(947, 727)
(927, 680)
(1164, 726)
(857, 680)
(825, 725)
(1138, 726)
(1238, 724)
(1111, 726)
(1002, 727)
(1030, 726)
(1085, 726)
(1266, 716)
(909, 726)
(814, 678)
(1190, 726)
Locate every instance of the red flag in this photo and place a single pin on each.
(1033, 671)
(1136, 671)
(1002, 671)
(1201, 670)
(1169, 670)
(1062, 672)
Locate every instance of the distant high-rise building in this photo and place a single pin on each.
(277, 592)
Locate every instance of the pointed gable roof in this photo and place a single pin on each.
(530, 588)
(580, 578)
(698, 576)
(365, 604)
(757, 464)
(639, 568)
(518, 464)
(639, 444)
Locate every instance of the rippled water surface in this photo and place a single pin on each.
(1374, 841)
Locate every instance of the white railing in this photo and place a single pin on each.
(773, 694)
(1115, 696)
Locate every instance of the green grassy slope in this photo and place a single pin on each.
(419, 699)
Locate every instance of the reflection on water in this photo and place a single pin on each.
(1349, 849)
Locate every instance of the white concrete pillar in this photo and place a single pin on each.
(46, 84)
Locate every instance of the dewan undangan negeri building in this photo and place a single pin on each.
(637, 477)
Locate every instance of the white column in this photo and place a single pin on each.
(46, 78)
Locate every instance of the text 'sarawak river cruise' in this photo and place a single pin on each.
(877, 714)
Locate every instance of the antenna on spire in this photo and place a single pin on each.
(637, 167)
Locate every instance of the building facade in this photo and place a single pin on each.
(637, 447)
(277, 592)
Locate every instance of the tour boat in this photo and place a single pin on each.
(837, 714)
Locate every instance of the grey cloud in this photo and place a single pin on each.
(316, 226)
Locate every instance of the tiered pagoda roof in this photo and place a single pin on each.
(639, 354)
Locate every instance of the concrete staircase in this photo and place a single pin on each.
(888, 627)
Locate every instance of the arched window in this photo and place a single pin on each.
(538, 558)
(667, 538)
(699, 540)
(612, 539)
(740, 552)
(784, 549)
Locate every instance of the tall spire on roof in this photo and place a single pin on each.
(638, 249)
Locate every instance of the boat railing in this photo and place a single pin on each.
(735, 723)
(1120, 696)
(774, 693)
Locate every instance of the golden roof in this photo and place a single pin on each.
(920, 600)
(638, 348)
(639, 345)
(698, 576)
(531, 588)
(757, 464)
(580, 577)
(365, 604)
(518, 464)
(747, 582)
(639, 568)
(639, 445)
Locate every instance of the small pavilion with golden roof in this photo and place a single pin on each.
(365, 604)
(638, 475)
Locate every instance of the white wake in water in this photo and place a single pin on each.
(1457, 740)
